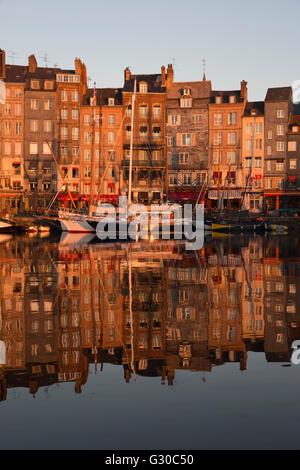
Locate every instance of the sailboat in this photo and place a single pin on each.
(75, 221)
(79, 222)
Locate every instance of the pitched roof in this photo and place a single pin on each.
(198, 89)
(15, 73)
(19, 73)
(153, 81)
(102, 95)
(255, 108)
(279, 94)
(225, 94)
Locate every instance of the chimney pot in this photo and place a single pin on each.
(170, 75)
(163, 75)
(127, 74)
(32, 63)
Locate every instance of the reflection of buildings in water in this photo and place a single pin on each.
(63, 309)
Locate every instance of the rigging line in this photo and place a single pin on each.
(114, 145)
(64, 180)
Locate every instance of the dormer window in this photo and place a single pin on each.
(111, 101)
(253, 112)
(35, 84)
(218, 99)
(48, 85)
(186, 92)
(232, 99)
(295, 129)
(143, 87)
(92, 101)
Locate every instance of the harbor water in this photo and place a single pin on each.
(149, 346)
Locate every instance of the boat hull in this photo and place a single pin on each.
(6, 226)
(77, 226)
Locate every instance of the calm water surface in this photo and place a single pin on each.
(148, 346)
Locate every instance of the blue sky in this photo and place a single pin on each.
(254, 40)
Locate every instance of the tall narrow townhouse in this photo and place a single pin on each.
(12, 136)
(253, 156)
(40, 135)
(293, 163)
(149, 152)
(187, 136)
(225, 148)
(101, 135)
(278, 109)
(71, 85)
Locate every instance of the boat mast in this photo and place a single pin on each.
(131, 146)
(92, 192)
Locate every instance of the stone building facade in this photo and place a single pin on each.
(40, 130)
(187, 136)
(225, 148)
(253, 156)
(101, 144)
(149, 153)
(278, 109)
(12, 136)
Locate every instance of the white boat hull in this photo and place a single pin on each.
(76, 226)
(5, 225)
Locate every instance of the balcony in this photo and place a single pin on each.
(144, 163)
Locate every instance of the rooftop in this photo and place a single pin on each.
(279, 94)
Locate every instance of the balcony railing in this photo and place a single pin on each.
(144, 163)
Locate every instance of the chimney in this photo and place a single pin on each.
(2, 64)
(163, 75)
(127, 74)
(32, 63)
(83, 79)
(244, 91)
(78, 66)
(170, 75)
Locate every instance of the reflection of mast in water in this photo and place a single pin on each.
(130, 312)
(94, 345)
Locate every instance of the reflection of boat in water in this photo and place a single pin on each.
(44, 229)
(33, 229)
(75, 238)
(238, 227)
(5, 238)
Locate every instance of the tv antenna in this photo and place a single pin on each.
(45, 59)
(204, 69)
(12, 55)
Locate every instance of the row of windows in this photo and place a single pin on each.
(176, 119)
(8, 127)
(46, 105)
(36, 84)
(231, 138)
(280, 165)
(143, 131)
(144, 110)
(8, 110)
(231, 119)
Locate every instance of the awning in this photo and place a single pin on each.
(181, 196)
(282, 193)
(66, 197)
(225, 194)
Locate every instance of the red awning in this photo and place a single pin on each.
(66, 197)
